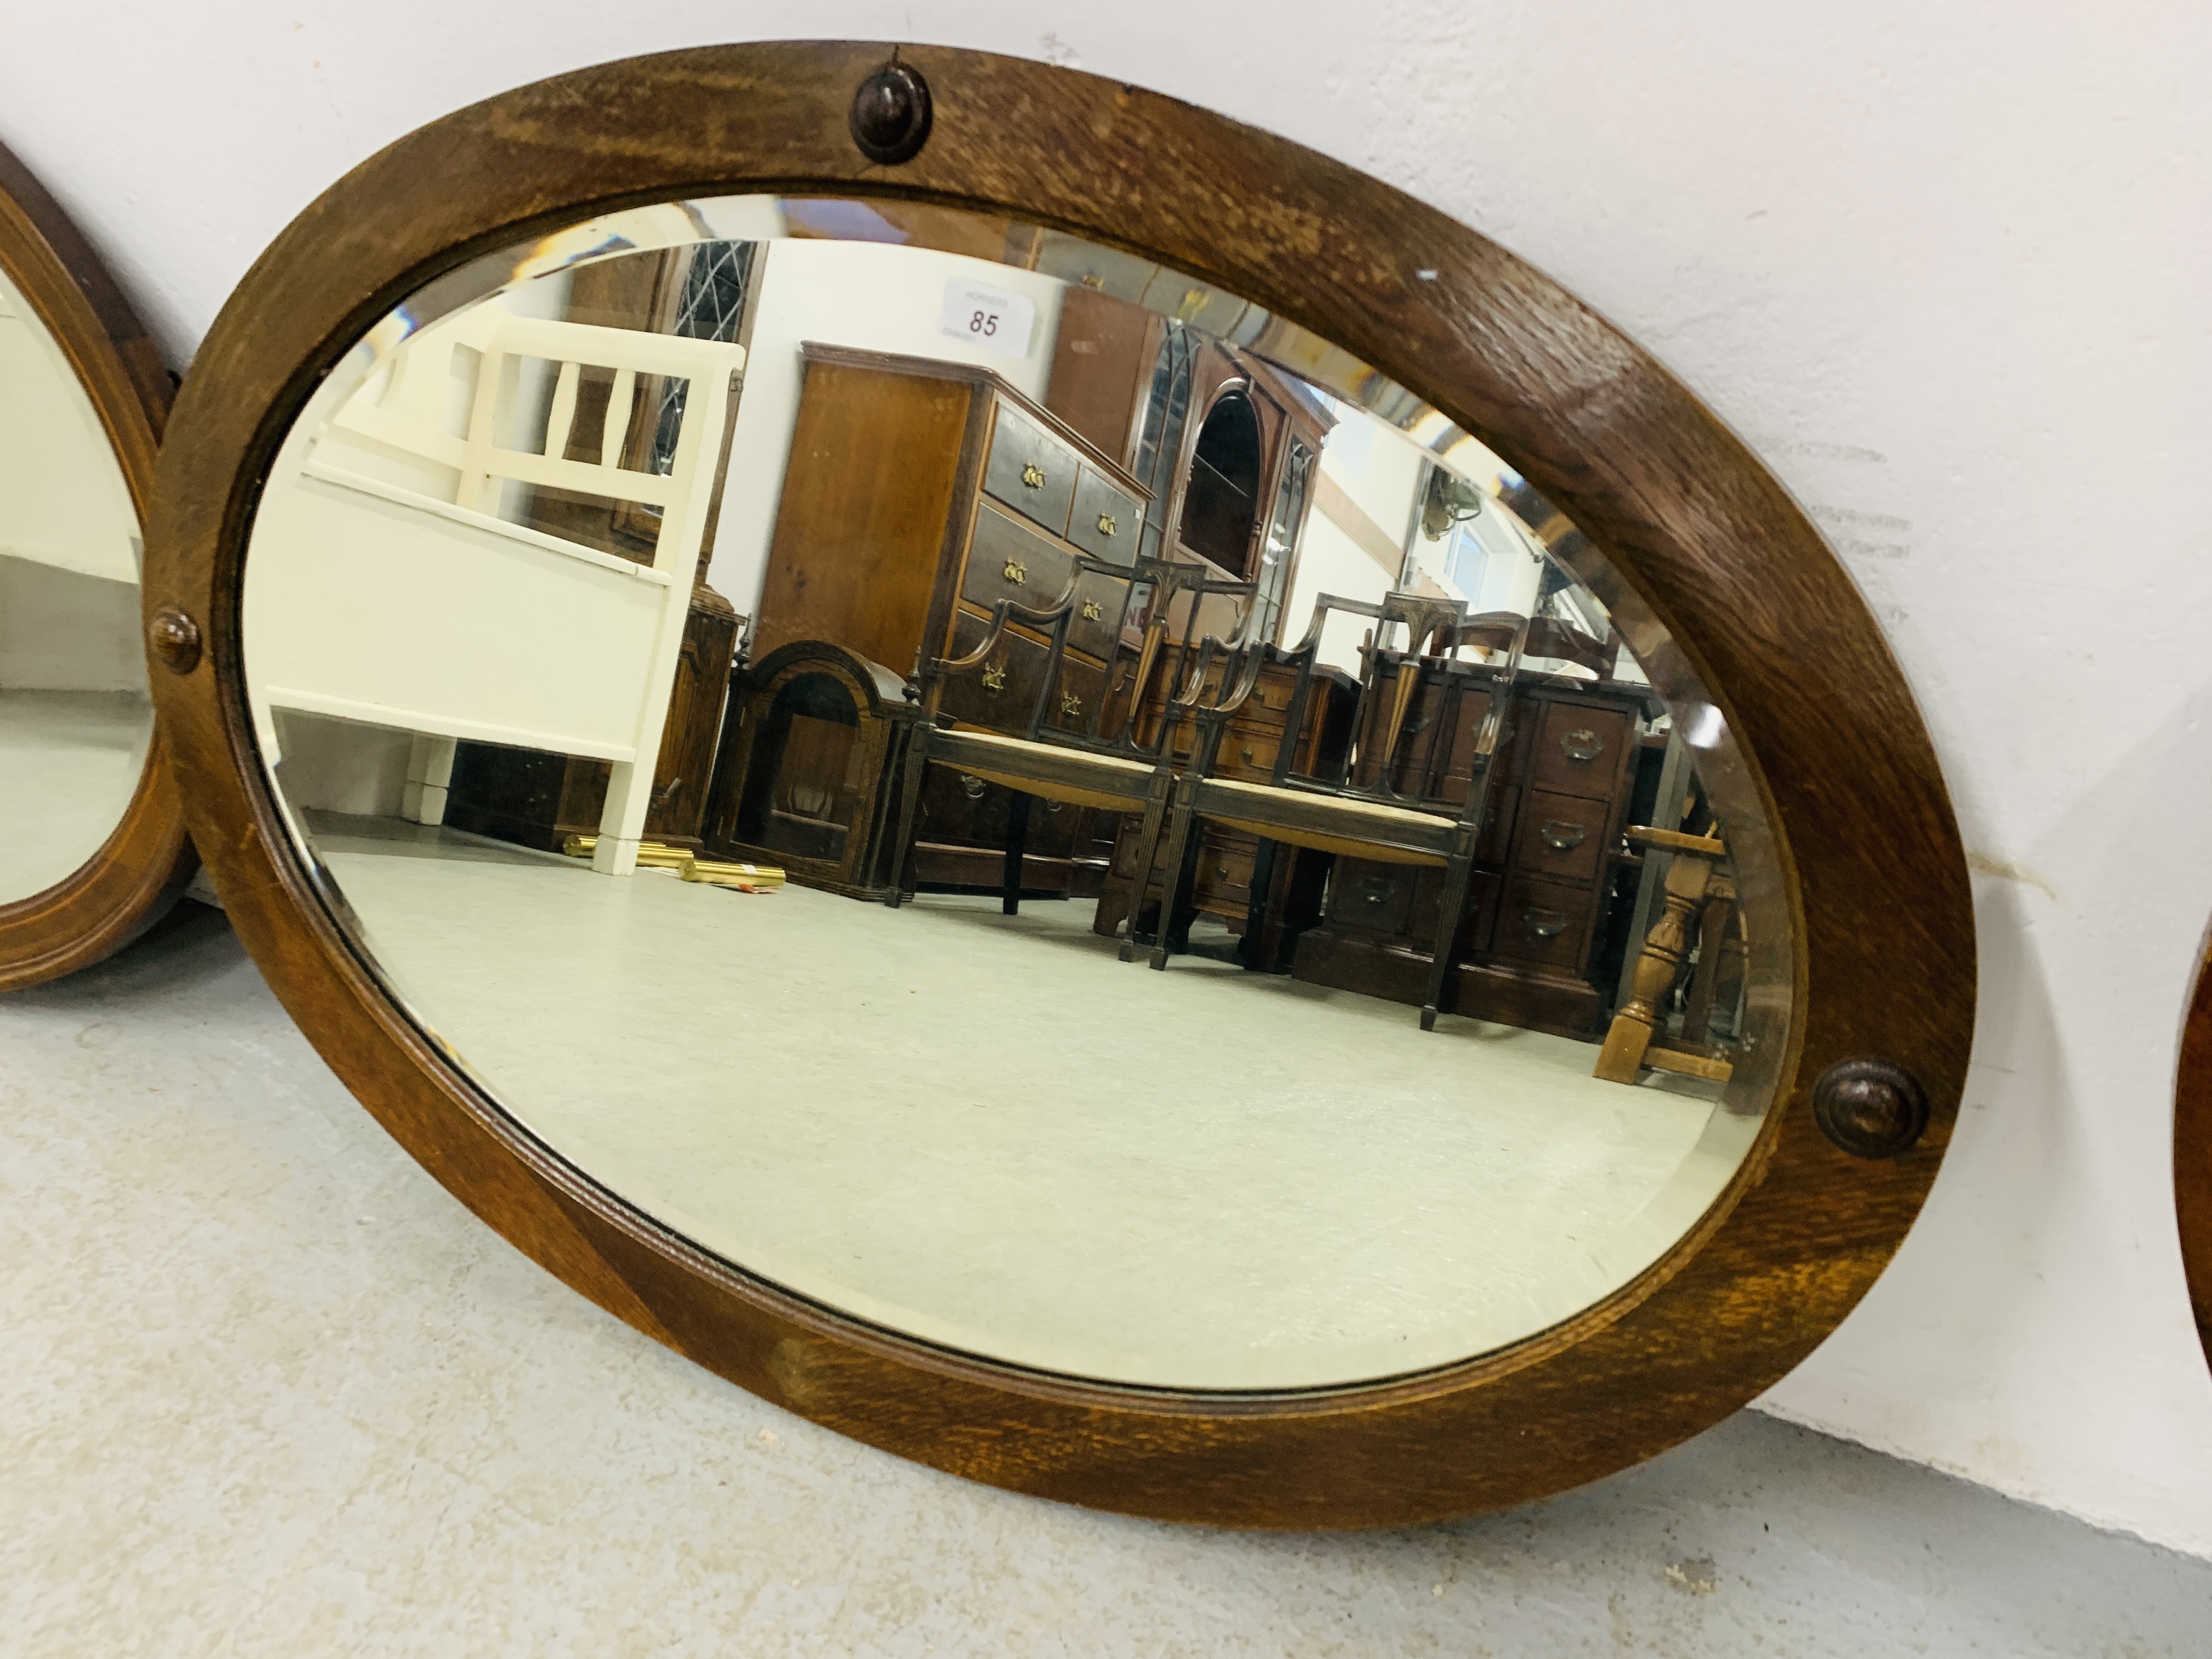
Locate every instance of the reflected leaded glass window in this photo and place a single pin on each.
(711, 307)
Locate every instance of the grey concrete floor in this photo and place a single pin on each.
(264, 1389)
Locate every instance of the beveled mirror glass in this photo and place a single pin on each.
(76, 718)
(511, 547)
(947, 775)
(92, 846)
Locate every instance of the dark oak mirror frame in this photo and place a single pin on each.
(1712, 545)
(2193, 1150)
(144, 867)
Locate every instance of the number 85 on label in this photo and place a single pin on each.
(987, 318)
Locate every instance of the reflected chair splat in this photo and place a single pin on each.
(1335, 811)
(1094, 757)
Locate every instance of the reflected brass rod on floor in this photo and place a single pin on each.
(748, 878)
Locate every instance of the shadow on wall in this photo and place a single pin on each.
(2048, 1250)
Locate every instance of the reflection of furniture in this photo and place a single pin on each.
(919, 494)
(700, 292)
(1699, 912)
(813, 741)
(1228, 446)
(387, 590)
(1356, 808)
(540, 799)
(1234, 876)
(1092, 758)
(1529, 953)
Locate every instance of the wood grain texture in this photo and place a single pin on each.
(2192, 1152)
(142, 868)
(1705, 540)
(861, 531)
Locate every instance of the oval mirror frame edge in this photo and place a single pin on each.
(1654, 481)
(2192, 1150)
(144, 865)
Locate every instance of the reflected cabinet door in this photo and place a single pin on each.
(1145, 903)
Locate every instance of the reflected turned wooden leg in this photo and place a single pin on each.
(1451, 917)
(1714, 923)
(1148, 848)
(1655, 971)
(429, 772)
(1174, 880)
(1017, 837)
(903, 862)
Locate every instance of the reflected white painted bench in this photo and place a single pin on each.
(383, 587)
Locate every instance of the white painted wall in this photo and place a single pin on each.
(1380, 473)
(1330, 561)
(1943, 265)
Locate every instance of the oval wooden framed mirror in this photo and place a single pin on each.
(95, 848)
(1564, 967)
(2192, 1151)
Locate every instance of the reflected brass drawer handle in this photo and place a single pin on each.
(1105, 524)
(1016, 572)
(971, 785)
(1379, 892)
(1561, 837)
(1582, 745)
(1221, 871)
(1545, 924)
(1032, 474)
(1070, 704)
(1091, 611)
(1248, 753)
(994, 676)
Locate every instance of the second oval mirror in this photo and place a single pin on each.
(92, 848)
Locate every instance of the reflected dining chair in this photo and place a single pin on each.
(1336, 812)
(1096, 758)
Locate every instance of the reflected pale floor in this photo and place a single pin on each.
(989, 1133)
(69, 765)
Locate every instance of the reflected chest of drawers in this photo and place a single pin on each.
(918, 495)
(1553, 874)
